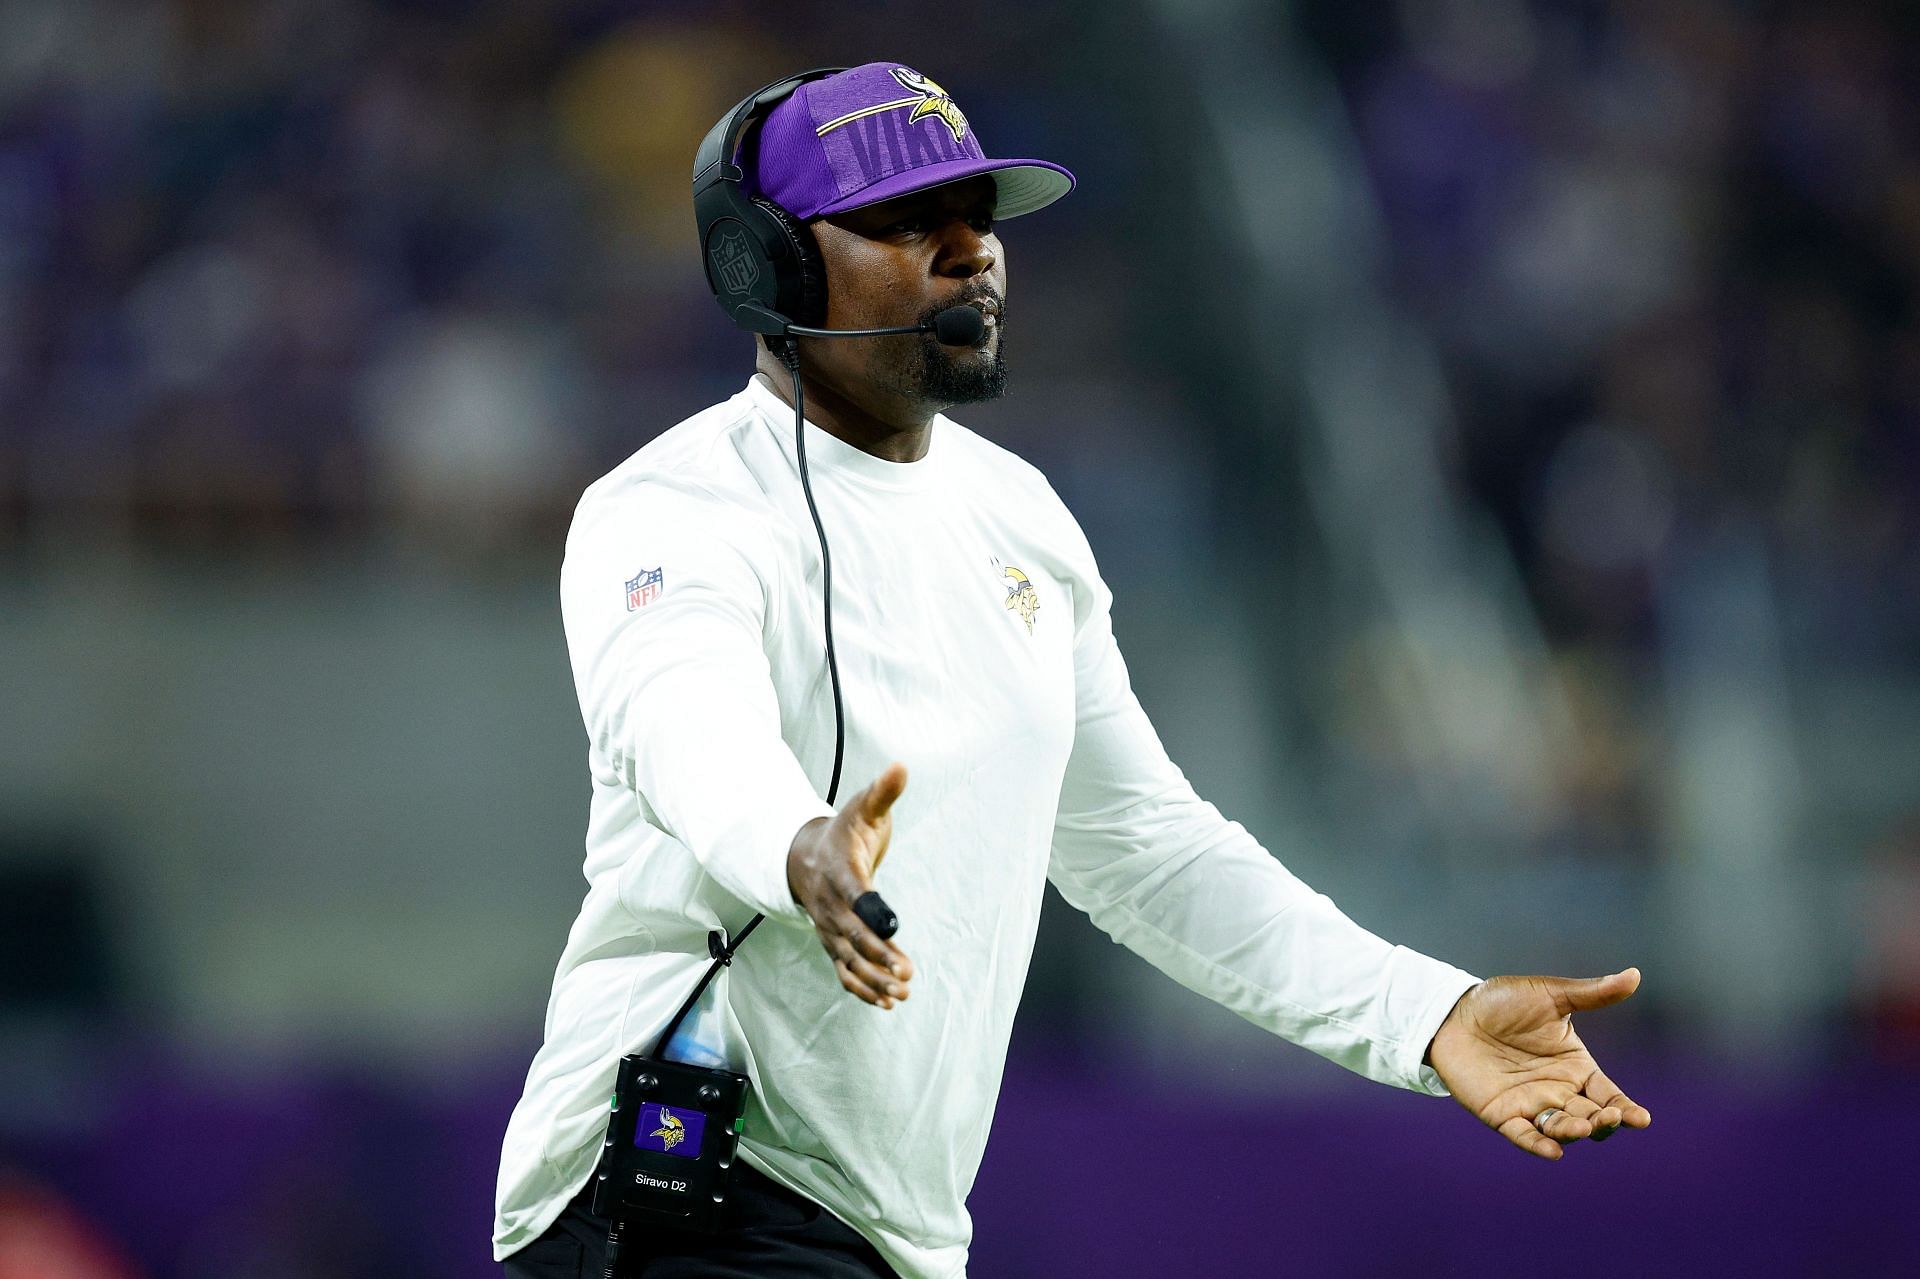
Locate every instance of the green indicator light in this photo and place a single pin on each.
(740, 1124)
(614, 1102)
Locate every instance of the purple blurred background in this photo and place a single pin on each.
(1500, 422)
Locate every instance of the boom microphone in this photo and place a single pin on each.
(959, 326)
(956, 326)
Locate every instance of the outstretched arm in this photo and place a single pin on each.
(1165, 874)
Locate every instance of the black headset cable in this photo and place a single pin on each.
(718, 946)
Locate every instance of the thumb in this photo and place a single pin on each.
(873, 803)
(1584, 994)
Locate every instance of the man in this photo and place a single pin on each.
(972, 634)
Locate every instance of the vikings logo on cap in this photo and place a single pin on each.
(929, 100)
(934, 101)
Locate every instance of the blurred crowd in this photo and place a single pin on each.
(1672, 255)
(275, 270)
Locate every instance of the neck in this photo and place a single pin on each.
(892, 429)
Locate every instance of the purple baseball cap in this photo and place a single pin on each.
(876, 131)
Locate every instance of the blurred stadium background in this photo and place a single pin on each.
(1500, 421)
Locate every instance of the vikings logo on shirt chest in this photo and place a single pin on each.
(1022, 598)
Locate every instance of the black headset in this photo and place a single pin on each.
(763, 264)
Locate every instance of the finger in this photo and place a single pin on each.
(856, 987)
(860, 976)
(1565, 1126)
(1584, 994)
(1523, 1134)
(1569, 1119)
(1608, 1095)
(874, 948)
(1603, 1118)
(851, 981)
(872, 978)
(1582, 1108)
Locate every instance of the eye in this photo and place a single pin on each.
(981, 222)
(908, 226)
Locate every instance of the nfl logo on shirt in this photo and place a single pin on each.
(644, 589)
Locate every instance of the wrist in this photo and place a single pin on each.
(797, 851)
(1447, 1021)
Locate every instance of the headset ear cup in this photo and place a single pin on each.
(803, 291)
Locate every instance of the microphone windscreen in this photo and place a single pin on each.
(876, 914)
(959, 326)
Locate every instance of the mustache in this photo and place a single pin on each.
(967, 296)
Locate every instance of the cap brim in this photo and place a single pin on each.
(1023, 185)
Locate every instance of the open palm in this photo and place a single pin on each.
(1508, 1052)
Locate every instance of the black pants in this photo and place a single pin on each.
(770, 1233)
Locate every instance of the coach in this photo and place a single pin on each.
(971, 640)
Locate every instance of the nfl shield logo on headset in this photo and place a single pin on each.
(733, 263)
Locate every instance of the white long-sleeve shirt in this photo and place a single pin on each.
(974, 644)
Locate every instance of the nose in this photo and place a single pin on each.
(964, 252)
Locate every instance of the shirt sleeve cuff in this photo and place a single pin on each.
(764, 836)
(1448, 984)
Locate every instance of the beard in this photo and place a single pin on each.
(942, 376)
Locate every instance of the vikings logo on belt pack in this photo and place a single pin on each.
(672, 1130)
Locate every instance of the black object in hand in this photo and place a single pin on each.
(876, 914)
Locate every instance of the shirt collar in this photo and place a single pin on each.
(830, 454)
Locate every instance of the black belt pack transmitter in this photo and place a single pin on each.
(671, 1143)
(674, 1132)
